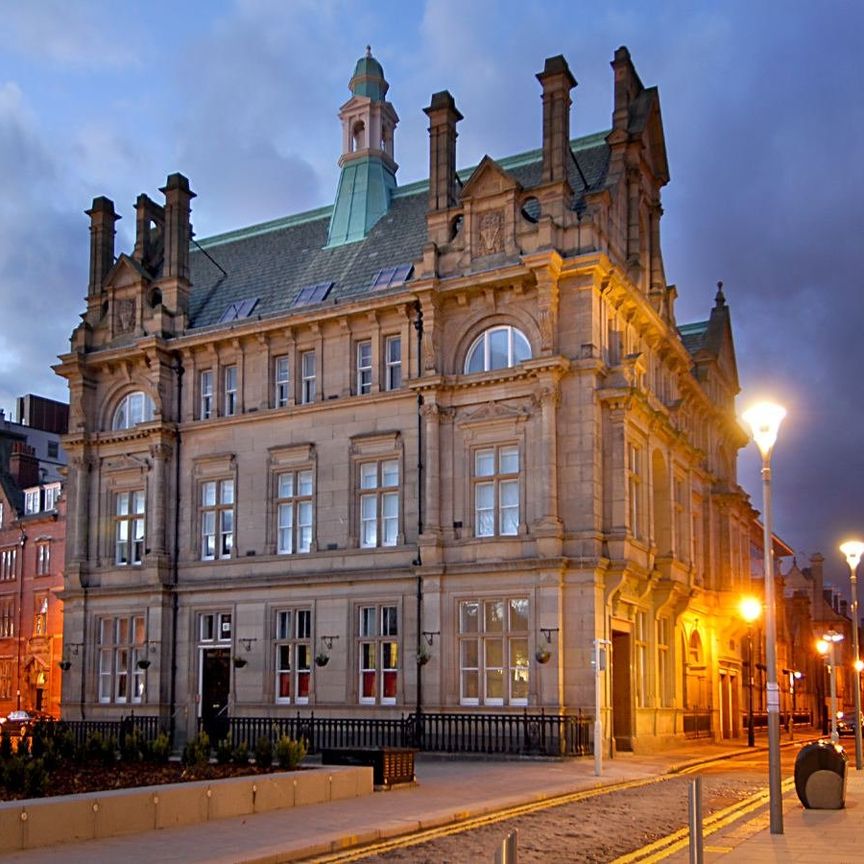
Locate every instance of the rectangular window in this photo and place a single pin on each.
(493, 651)
(8, 557)
(496, 491)
(214, 627)
(663, 663)
(53, 449)
(364, 367)
(40, 614)
(641, 659)
(393, 361)
(129, 527)
(31, 501)
(206, 386)
(293, 655)
(217, 519)
(308, 371)
(379, 503)
(230, 402)
(378, 650)
(7, 617)
(634, 489)
(294, 512)
(122, 644)
(680, 518)
(43, 559)
(6, 679)
(50, 495)
(280, 375)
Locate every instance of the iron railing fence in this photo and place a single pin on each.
(147, 727)
(501, 734)
(760, 719)
(697, 723)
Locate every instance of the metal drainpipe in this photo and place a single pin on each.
(175, 558)
(418, 326)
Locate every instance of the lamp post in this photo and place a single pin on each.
(853, 549)
(764, 421)
(750, 609)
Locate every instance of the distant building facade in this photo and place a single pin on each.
(32, 549)
(454, 422)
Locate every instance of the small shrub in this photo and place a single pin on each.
(5, 746)
(23, 746)
(35, 779)
(197, 751)
(290, 752)
(13, 773)
(132, 746)
(101, 748)
(264, 752)
(39, 742)
(63, 745)
(223, 752)
(159, 749)
(240, 756)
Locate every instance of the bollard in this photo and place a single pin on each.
(695, 810)
(506, 854)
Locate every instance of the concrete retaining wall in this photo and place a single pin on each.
(46, 821)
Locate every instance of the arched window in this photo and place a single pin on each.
(497, 348)
(135, 408)
(358, 136)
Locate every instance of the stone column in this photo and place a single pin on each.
(156, 510)
(432, 459)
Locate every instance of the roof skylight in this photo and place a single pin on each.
(392, 277)
(310, 294)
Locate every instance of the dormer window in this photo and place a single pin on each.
(135, 408)
(497, 348)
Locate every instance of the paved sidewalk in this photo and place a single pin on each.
(449, 791)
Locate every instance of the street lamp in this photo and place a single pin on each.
(764, 421)
(827, 646)
(853, 549)
(750, 609)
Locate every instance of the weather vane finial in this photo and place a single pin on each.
(368, 50)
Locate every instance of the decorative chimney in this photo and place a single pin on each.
(149, 225)
(102, 231)
(23, 465)
(557, 82)
(628, 86)
(178, 229)
(443, 117)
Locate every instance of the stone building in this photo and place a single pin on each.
(439, 437)
(32, 548)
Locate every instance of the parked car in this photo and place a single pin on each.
(846, 725)
(22, 722)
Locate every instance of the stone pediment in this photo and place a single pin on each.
(126, 271)
(491, 412)
(489, 179)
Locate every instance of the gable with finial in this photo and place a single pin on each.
(489, 200)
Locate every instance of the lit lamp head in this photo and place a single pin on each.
(822, 646)
(852, 549)
(750, 609)
(832, 636)
(763, 420)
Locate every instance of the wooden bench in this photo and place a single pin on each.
(390, 765)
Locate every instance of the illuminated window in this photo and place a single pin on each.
(379, 654)
(293, 655)
(493, 651)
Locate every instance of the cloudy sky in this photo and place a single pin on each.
(764, 117)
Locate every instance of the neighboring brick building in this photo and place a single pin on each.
(32, 548)
(456, 418)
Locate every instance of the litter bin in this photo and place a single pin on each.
(820, 776)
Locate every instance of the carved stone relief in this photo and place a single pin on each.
(125, 315)
(490, 232)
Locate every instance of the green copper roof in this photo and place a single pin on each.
(368, 78)
(366, 186)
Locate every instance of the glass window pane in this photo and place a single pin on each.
(304, 483)
(484, 463)
(509, 491)
(283, 624)
(471, 685)
(286, 485)
(493, 616)
(304, 624)
(521, 348)
(509, 457)
(208, 493)
(475, 357)
(469, 615)
(394, 349)
(494, 650)
(368, 622)
(519, 652)
(518, 615)
(227, 488)
(369, 475)
(495, 685)
(519, 684)
(389, 621)
(498, 348)
(389, 656)
(470, 654)
(389, 683)
(390, 472)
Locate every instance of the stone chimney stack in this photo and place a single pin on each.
(557, 83)
(178, 229)
(627, 87)
(816, 561)
(443, 117)
(23, 465)
(148, 215)
(102, 231)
